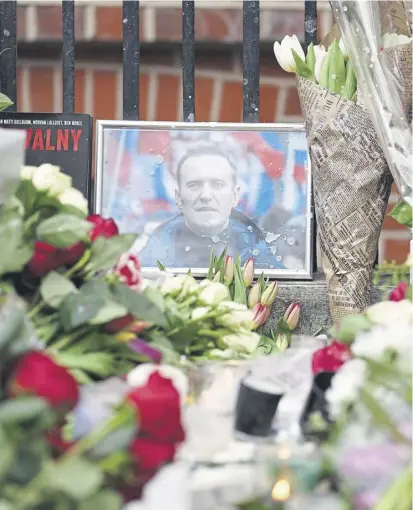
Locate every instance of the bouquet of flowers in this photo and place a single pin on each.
(104, 467)
(351, 177)
(370, 401)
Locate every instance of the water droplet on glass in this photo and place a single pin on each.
(245, 81)
(215, 239)
(278, 258)
(256, 20)
(271, 266)
(249, 228)
(6, 33)
(345, 8)
(310, 25)
(291, 241)
(270, 237)
(125, 20)
(187, 248)
(159, 159)
(252, 105)
(191, 117)
(273, 250)
(334, 76)
(255, 252)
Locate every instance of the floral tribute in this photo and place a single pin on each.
(103, 468)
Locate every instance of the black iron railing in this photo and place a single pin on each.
(131, 57)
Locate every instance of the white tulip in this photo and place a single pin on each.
(284, 54)
(320, 54)
(343, 49)
(244, 341)
(238, 314)
(391, 40)
(199, 312)
(74, 198)
(181, 283)
(139, 377)
(214, 294)
(388, 312)
(27, 172)
(48, 178)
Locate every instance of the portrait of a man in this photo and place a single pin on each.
(187, 193)
(207, 194)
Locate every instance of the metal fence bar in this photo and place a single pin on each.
(251, 60)
(188, 59)
(8, 51)
(68, 55)
(310, 36)
(131, 59)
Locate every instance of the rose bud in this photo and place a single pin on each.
(248, 272)
(282, 342)
(44, 259)
(158, 410)
(217, 277)
(37, 374)
(229, 270)
(116, 325)
(268, 296)
(254, 295)
(128, 271)
(261, 314)
(399, 293)
(330, 358)
(292, 316)
(102, 227)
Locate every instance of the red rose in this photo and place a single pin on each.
(399, 293)
(330, 358)
(37, 374)
(128, 270)
(47, 258)
(151, 455)
(159, 410)
(102, 227)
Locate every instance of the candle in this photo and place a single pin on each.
(280, 493)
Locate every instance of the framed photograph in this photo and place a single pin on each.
(187, 189)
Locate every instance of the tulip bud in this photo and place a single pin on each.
(254, 295)
(282, 342)
(268, 296)
(261, 314)
(125, 336)
(217, 277)
(292, 316)
(229, 270)
(248, 272)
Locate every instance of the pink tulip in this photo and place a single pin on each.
(292, 316)
(229, 270)
(254, 295)
(261, 314)
(268, 296)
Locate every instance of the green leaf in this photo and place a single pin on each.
(156, 297)
(211, 267)
(63, 230)
(7, 453)
(108, 312)
(351, 81)
(10, 327)
(21, 409)
(302, 68)
(98, 363)
(161, 266)
(76, 477)
(5, 102)
(185, 336)
(240, 295)
(6, 505)
(104, 500)
(337, 74)
(55, 288)
(310, 58)
(139, 306)
(105, 252)
(348, 327)
(402, 213)
(11, 232)
(119, 439)
(80, 376)
(325, 69)
(78, 309)
(221, 261)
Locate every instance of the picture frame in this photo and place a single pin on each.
(186, 187)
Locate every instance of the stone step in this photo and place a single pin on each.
(312, 296)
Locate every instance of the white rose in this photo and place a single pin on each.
(346, 385)
(139, 377)
(214, 293)
(284, 54)
(26, 173)
(74, 198)
(244, 341)
(238, 314)
(199, 312)
(181, 283)
(320, 54)
(48, 178)
(387, 312)
(391, 40)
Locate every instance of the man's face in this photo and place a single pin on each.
(207, 192)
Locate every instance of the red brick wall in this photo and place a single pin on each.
(218, 90)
